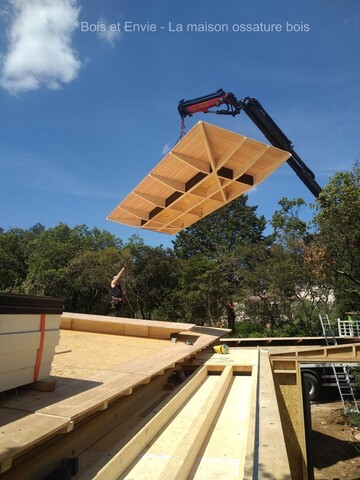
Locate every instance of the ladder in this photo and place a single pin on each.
(341, 373)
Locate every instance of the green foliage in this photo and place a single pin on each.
(289, 229)
(280, 282)
(13, 255)
(203, 291)
(337, 221)
(87, 280)
(248, 329)
(221, 232)
(151, 275)
(354, 372)
(280, 290)
(353, 419)
(212, 254)
(74, 263)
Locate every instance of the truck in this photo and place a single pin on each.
(321, 375)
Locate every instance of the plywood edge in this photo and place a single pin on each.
(34, 429)
(122, 326)
(273, 459)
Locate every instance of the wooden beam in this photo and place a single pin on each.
(226, 156)
(338, 353)
(122, 459)
(157, 201)
(241, 170)
(212, 161)
(132, 222)
(187, 451)
(194, 162)
(141, 214)
(169, 182)
(272, 454)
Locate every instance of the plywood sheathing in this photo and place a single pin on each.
(96, 370)
(207, 169)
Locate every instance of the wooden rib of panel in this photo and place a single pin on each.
(208, 168)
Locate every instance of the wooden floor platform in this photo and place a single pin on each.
(91, 370)
(207, 429)
(161, 405)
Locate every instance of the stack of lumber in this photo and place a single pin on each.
(29, 332)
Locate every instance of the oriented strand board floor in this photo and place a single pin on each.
(86, 353)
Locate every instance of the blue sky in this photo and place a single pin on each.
(87, 114)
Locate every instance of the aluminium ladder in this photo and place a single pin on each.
(341, 373)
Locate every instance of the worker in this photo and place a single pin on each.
(230, 307)
(117, 296)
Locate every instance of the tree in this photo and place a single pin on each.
(73, 263)
(203, 291)
(87, 279)
(338, 242)
(280, 290)
(221, 232)
(13, 258)
(213, 248)
(150, 277)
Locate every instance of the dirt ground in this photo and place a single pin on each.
(335, 445)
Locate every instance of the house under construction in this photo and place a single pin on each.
(95, 397)
(137, 399)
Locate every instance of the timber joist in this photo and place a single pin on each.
(329, 354)
(206, 169)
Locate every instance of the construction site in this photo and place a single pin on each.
(89, 396)
(136, 399)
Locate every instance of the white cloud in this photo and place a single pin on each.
(39, 45)
(353, 22)
(166, 148)
(109, 33)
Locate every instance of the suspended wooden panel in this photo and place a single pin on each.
(207, 169)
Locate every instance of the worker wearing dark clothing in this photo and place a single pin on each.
(230, 307)
(117, 296)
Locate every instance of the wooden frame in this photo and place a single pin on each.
(207, 169)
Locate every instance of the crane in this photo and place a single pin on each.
(257, 113)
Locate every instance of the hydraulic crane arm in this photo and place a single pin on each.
(262, 120)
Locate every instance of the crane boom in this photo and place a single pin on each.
(262, 120)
